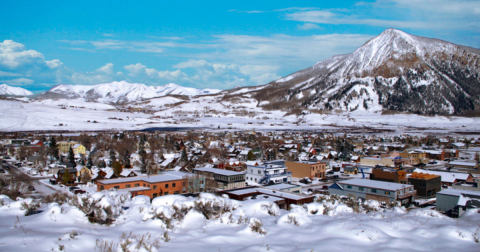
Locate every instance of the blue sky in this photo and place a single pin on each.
(204, 44)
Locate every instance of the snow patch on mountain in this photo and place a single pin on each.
(16, 91)
(124, 91)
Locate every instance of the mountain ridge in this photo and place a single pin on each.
(392, 71)
(14, 91)
(122, 91)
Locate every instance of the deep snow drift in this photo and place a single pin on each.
(177, 223)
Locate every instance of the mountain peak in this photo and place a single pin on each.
(16, 91)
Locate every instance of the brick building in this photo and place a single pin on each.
(307, 169)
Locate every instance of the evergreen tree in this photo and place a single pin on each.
(184, 156)
(71, 157)
(143, 155)
(53, 148)
(117, 168)
(112, 155)
(89, 162)
(66, 177)
(250, 155)
(126, 159)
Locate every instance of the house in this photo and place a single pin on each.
(61, 174)
(371, 161)
(285, 188)
(389, 175)
(455, 202)
(78, 149)
(307, 169)
(127, 173)
(282, 198)
(274, 171)
(224, 179)
(426, 185)
(418, 157)
(151, 186)
(350, 169)
(449, 178)
(387, 192)
(64, 146)
(83, 170)
(464, 165)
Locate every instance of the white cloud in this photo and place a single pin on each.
(19, 82)
(150, 74)
(54, 63)
(30, 65)
(108, 68)
(308, 26)
(412, 14)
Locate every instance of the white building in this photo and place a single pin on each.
(271, 171)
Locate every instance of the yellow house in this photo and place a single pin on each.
(84, 170)
(64, 146)
(78, 149)
(418, 157)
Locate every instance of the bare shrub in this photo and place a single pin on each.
(91, 208)
(105, 246)
(30, 208)
(58, 197)
(167, 221)
(270, 209)
(326, 209)
(180, 212)
(256, 226)
(293, 220)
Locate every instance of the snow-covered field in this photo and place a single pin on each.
(326, 226)
(203, 111)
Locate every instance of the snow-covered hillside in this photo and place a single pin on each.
(394, 71)
(123, 91)
(15, 91)
(178, 223)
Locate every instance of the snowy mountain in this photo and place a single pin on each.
(16, 91)
(122, 91)
(393, 71)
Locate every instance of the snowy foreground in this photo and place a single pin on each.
(176, 223)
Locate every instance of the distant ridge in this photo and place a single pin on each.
(119, 91)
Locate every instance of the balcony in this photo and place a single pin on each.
(279, 174)
(407, 194)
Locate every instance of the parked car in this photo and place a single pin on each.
(335, 176)
(2, 171)
(53, 181)
(73, 188)
(433, 162)
(31, 188)
(330, 172)
(79, 191)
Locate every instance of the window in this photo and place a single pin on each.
(374, 190)
(101, 187)
(349, 186)
(360, 188)
(137, 185)
(387, 193)
(259, 172)
(116, 187)
(173, 184)
(166, 185)
(184, 183)
(143, 184)
(155, 195)
(127, 186)
(176, 192)
(154, 187)
(165, 193)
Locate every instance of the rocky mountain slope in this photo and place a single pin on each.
(15, 91)
(121, 91)
(393, 71)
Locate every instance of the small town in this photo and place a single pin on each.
(287, 167)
